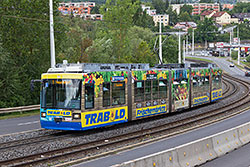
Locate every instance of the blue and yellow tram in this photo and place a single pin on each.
(86, 96)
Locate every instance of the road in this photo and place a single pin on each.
(19, 124)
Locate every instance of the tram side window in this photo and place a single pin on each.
(155, 90)
(89, 96)
(217, 81)
(206, 83)
(195, 82)
(163, 88)
(118, 93)
(139, 91)
(106, 94)
(148, 90)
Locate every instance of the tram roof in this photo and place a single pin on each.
(66, 67)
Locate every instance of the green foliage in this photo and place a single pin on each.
(160, 6)
(118, 16)
(234, 55)
(241, 8)
(170, 50)
(184, 17)
(206, 30)
(173, 18)
(186, 8)
(142, 19)
(95, 10)
(125, 35)
(25, 37)
(244, 31)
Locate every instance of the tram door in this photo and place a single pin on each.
(200, 86)
(180, 89)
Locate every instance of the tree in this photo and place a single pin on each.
(142, 19)
(10, 84)
(241, 8)
(184, 17)
(160, 6)
(170, 50)
(95, 10)
(206, 31)
(173, 17)
(118, 17)
(186, 8)
(25, 31)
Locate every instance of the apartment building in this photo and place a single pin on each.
(76, 8)
(163, 18)
(198, 8)
(77, 4)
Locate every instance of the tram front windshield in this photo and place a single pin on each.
(61, 94)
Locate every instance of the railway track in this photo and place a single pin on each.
(103, 146)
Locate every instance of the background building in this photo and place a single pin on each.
(164, 19)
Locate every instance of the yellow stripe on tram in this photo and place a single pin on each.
(62, 76)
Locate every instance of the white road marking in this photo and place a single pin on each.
(28, 123)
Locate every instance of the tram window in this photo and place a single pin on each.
(139, 91)
(106, 94)
(148, 90)
(163, 88)
(195, 84)
(206, 80)
(118, 93)
(200, 81)
(89, 96)
(155, 89)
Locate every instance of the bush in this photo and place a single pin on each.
(234, 55)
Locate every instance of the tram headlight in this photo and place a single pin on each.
(76, 116)
(43, 114)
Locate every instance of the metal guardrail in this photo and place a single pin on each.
(19, 109)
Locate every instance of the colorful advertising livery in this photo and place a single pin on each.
(200, 100)
(104, 117)
(216, 95)
(143, 112)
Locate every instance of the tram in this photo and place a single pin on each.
(87, 95)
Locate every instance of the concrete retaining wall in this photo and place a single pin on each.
(196, 152)
(244, 133)
(162, 159)
(226, 141)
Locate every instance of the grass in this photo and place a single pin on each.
(195, 58)
(18, 114)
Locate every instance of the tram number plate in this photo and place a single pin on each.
(58, 119)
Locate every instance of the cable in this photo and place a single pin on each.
(26, 18)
